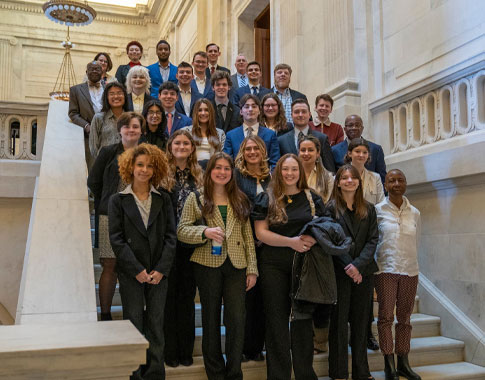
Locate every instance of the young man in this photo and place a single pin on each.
(201, 82)
(227, 114)
(334, 131)
(213, 54)
(353, 129)
(300, 111)
(254, 87)
(282, 78)
(168, 95)
(250, 111)
(162, 71)
(187, 97)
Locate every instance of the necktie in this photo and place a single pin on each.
(255, 90)
(243, 81)
(250, 131)
(170, 123)
(300, 137)
(222, 111)
(213, 69)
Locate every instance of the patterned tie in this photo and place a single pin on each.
(255, 90)
(170, 123)
(300, 137)
(213, 68)
(244, 82)
(250, 131)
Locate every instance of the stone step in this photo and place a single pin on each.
(449, 371)
(428, 351)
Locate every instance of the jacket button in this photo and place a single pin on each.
(129, 240)
(238, 243)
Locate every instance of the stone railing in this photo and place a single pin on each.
(454, 109)
(22, 130)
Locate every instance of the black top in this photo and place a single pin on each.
(158, 138)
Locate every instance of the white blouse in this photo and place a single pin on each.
(399, 230)
(204, 150)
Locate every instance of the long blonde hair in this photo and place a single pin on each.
(240, 161)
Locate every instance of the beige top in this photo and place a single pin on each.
(144, 206)
(312, 183)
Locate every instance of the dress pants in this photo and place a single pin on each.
(215, 284)
(352, 307)
(179, 324)
(275, 275)
(395, 290)
(135, 297)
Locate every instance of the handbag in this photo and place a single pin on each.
(199, 222)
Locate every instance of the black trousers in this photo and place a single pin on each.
(135, 297)
(216, 284)
(352, 307)
(179, 324)
(284, 345)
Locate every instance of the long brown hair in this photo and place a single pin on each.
(338, 200)
(322, 187)
(354, 143)
(212, 136)
(241, 163)
(276, 190)
(280, 119)
(237, 199)
(192, 163)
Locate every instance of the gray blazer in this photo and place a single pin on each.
(81, 109)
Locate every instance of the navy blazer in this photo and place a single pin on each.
(287, 145)
(241, 91)
(129, 101)
(121, 73)
(156, 77)
(294, 94)
(376, 163)
(221, 68)
(235, 137)
(180, 121)
(208, 92)
(232, 120)
(179, 105)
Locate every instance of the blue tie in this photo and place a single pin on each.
(255, 90)
(243, 81)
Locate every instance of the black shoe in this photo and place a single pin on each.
(106, 317)
(372, 343)
(172, 363)
(390, 368)
(404, 370)
(187, 362)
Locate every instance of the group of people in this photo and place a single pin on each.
(203, 180)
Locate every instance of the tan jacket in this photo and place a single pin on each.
(372, 187)
(238, 243)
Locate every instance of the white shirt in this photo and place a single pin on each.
(399, 230)
(297, 132)
(200, 84)
(143, 206)
(255, 128)
(203, 151)
(96, 94)
(186, 100)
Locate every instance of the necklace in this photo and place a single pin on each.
(289, 200)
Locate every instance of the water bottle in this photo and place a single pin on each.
(216, 248)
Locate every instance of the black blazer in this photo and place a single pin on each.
(136, 247)
(233, 117)
(364, 240)
(129, 101)
(104, 177)
(248, 184)
(121, 73)
(221, 68)
(287, 145)
(294, 94)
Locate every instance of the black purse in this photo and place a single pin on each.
(199, 222)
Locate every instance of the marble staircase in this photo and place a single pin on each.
(434, 357)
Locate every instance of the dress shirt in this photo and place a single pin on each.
(254, 127)
(399, 230)
(242, 80)
(212, 68)
(138, 101)
(286, 99)
(200, 84)
(96, 94)
(297, 132)
(164, 71)
(186, 100)
(143, 206)
(251, 88)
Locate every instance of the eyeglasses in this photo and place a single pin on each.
(270, 106)
(154, 113)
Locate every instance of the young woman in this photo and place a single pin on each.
(103, 126)
(138, 88)
(144, 251)
(274, 114)
(252, 176)
(106, 64)
(156, 133)
(104, 181)
(318, 178)
(225, 268)
(208, 139)
(180, 308)
(355, 280)
(279, 215)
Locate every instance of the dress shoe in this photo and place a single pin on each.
(187, 361)
(172, 363)
(106, 317)
(390, 367)
(372, 343)
(404, 370)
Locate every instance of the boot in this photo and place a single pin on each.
(404, 370)
(390, 368)
(106, 317)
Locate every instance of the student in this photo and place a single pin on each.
(355, 280)
(279, 216)
(334, 131)
(156, 131)
(134, 51)
(273, 115)
(142, 234)
(225, 268)
(179, 327)
(138, 88)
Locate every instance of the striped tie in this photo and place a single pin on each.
(244, 82)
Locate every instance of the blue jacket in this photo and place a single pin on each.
(180, 121)
(241, 91)
(376, 164)
(235, 137)
(208, 92)
(179, 105)
(156, 77)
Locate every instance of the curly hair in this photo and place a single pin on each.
(126, 163)
(276, 190)
(240, 161)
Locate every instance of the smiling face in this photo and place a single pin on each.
(185, 75)
(213, 53)
(395, 183)
(168, 99)
(222, 172)
(270, 108)
(94, 72)
(200, 64)
(282, 78)
(308, 152)
(241, 63)
(163, 52)
(182, 148)
(154, 116)
(301, 115)
(254, 73)
(131, 133)
(221, 88)
(290, 171)
(252, 153)
(138, 83)
(250, 112)
(116, 97)
(359, 155)
(142, 170)
(323, 108)
(353, 127)
(347, 183)
(103, 61)
(203, 113)
(134, 53)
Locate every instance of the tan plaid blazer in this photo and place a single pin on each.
(238, 244)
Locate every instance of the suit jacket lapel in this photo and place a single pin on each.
(230, 221)
(154, 210)
(85, 91)
(348, 223)
(131, 210)
(290, 140)
(229, 111)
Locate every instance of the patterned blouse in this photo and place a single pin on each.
(184, 185)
